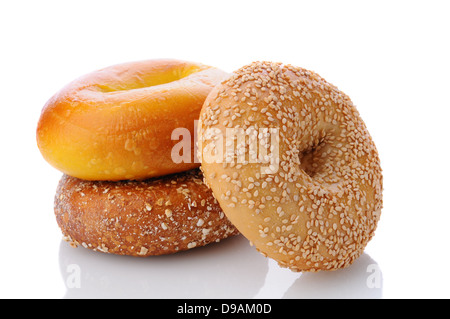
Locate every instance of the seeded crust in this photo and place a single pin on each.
(140, 218)
(322, 206)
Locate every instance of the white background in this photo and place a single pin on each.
(390, 57)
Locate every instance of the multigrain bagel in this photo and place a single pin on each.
(140, 218)
(313, 200)
(116, 123)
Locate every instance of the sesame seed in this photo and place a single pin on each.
(200, 222)
(321, 194)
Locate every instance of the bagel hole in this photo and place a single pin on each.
(142, 81)
(312, 159)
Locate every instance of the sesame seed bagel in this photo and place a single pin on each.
(116, 123)
(312, 197)
(140, 218)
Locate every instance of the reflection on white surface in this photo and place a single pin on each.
(229, 269)
(363, 279)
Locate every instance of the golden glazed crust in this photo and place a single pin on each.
(116, 123)
(317, 204)
(140, 218)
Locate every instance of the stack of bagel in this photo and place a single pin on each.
(312, 201)
(109, 132)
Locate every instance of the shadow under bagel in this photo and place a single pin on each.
(228, 269)
(362, 280)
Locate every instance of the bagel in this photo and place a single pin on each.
(116, 123)
(313, 200)
(140, 218)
